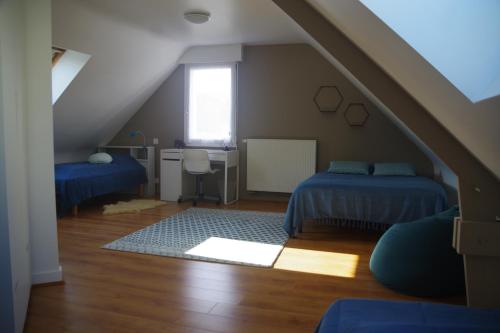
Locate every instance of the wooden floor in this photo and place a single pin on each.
(109, 291)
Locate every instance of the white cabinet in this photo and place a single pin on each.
(171, 176)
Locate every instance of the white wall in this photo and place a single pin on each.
(26, 131)
(210, 54)
(13, 109)
(7, 301)
(40, 142)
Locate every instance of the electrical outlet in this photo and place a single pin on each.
(155, 141)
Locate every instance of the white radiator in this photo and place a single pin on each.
(275, 165)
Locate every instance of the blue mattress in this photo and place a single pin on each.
(375, 316)
(76, 182)
(377, 199)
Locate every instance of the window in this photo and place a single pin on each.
(210, 105)
(66, 64)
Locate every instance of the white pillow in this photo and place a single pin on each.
(100, 158)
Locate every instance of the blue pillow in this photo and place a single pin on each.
(100, 158)
(393, 169)
(350, 167)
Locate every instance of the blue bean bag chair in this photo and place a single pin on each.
(378, 316)
(417, 258)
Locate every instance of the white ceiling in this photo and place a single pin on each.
(134, 46)
(475, 125)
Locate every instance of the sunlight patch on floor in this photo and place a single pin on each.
(237, 250)
(318, 262)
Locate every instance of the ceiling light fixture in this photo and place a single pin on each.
(197, 17)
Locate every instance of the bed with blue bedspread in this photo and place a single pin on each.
(376, 316)
(376, 199)
(76, 182)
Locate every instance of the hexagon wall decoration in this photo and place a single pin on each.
(356, 114)
(328, 98)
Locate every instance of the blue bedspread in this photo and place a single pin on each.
(379, 199)
(374, 316)
(76, 182)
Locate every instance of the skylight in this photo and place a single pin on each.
(460, 38)
(66, 64)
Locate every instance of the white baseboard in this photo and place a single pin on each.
(47, 276)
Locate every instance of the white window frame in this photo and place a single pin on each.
(211, 143)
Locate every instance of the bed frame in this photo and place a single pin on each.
(145, 156)
(140, 193)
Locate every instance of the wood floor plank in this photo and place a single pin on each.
(112, 291)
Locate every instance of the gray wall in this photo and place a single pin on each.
(160, 117)
(276, 87)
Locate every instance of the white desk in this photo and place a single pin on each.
(175, 182)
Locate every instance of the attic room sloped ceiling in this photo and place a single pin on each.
(135, 46)
(475, 125)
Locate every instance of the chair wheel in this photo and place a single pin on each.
(194, 203)
(179, 200)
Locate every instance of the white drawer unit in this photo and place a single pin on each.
(175, 182)
(171, 176)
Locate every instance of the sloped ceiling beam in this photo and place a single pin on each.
(479, 189)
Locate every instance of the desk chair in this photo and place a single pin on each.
(196, 163)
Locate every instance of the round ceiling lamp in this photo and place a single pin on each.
(197, 17)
